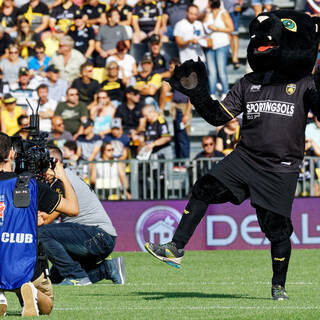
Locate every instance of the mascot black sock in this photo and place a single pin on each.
(192, 215)
(280, 254)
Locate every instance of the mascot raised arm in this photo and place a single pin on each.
(275, 100)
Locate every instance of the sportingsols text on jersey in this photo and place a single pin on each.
(270, 106)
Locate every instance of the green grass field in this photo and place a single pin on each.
(209, 285)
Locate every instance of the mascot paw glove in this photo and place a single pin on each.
(191, 79)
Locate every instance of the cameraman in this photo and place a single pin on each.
(22, 268)
(80, 247)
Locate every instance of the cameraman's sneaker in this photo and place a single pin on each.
(3, 304)
(75, 282)
(30, 300)
(279, 293)
(118, 276)
(167, 253)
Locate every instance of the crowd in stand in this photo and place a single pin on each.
(98, 102)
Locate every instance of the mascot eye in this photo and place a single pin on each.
(289, 24)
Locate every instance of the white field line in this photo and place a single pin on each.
(226, 283)
(184, 307)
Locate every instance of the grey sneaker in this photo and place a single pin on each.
(279, 293)
(167, 253)
(120, 276)
(3, 304)
(30, 300)
(75, 282)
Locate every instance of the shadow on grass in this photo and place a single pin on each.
(167, 295)
(13, 314)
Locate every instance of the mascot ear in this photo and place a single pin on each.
(316, 21)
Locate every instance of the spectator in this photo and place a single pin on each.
(78, 246)
(11, 65)
(94, 13)
(102, 114)
(208, 149)
(156, 136)
(155, 145)
(126, 62)
(47, 107)
(87, 87)
(147, 82)
(160, 61)
(63, 15)
(82, 35)
(57, 87)
(125, 12)
(10, 114)
(257, 5)
(70, 152)
(203, 6)
(114, 86)
(313, 136)
(26, 38)
(4, 86)
(72, 111)
(5, 41)
(37, 14)
(146, 20)
(88, 142)
(228, 137)
(68, 60)
(119, 140)
(39, 63)
(304, 186)
(234, 8)
(313, 131)
(130, 113)
(219, 25)
(109, 177)
(51, 40)
(108, 37)
(8, 18)
(58, 135)
(181, 113)
(174, 11)
(23, 89)
(189, 36)
(23, 123)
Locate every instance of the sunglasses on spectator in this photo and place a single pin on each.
(13, 52)
(208, 144)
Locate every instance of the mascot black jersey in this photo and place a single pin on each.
(273, 121)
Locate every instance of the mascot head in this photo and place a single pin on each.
(285, 41)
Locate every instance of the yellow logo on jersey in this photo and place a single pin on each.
(291, 89)
(186, 211)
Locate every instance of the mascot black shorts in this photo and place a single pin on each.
(273, 191)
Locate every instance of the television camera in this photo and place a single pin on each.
(32, 154)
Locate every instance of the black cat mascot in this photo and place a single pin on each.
(274, 99)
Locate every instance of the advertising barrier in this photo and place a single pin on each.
(225, 226)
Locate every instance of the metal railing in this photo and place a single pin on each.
(173, 179)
